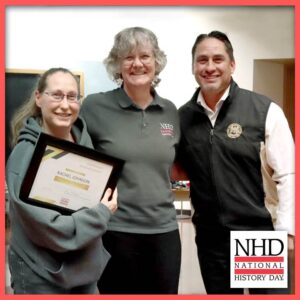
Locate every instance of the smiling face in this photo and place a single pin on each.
(58, 116)
(138, 67)
(212, 67)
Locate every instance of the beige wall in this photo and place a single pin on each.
(268, 80)
(80, 38)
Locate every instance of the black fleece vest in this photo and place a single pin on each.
(223, 163)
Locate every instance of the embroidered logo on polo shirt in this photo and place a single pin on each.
(166, 129)
(234, 130)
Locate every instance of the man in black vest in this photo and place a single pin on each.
(233, 142)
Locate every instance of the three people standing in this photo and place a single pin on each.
(229, 136)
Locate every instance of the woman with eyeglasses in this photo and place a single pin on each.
(51, 253)
(134, 123)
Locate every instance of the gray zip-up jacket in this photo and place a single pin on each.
(66, 250)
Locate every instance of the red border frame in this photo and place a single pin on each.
(5, 3)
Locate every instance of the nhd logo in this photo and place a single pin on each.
(259, 247)
(258, 259)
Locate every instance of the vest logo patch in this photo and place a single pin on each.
(234, 130)
(166, 129)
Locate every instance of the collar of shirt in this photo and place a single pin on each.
(212, 115)
(126, 102)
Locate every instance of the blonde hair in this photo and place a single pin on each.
(29, 108)
(124, 42)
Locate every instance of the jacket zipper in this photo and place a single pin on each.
(211, 135)
(220, 216)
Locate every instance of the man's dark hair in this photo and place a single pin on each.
(217, 35)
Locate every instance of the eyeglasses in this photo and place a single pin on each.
(59, 96)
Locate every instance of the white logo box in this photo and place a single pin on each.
(258, 259)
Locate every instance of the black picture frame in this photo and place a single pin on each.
(45, 141)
